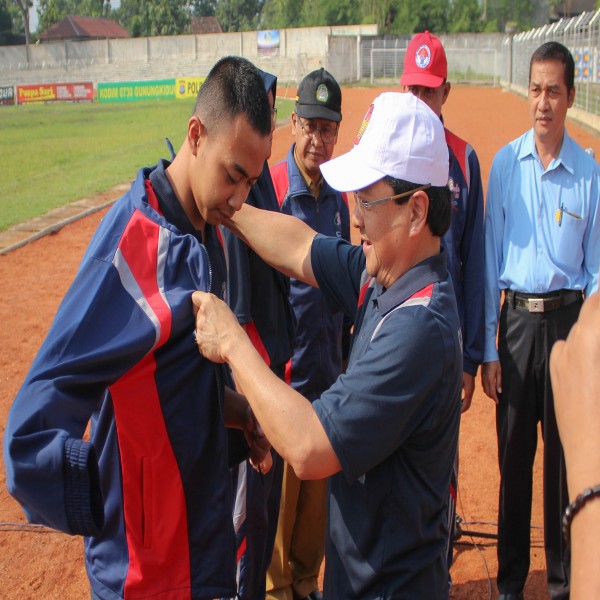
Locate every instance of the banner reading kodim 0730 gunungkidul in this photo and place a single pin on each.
(130, 91)
(55, 92)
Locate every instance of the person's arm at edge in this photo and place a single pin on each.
(575, 381)
(491, 374)
(282, 241)
(472, 250)
(287, 418)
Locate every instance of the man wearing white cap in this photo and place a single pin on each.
(425, 75)
(386, 431)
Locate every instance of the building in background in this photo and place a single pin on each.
(81, 29)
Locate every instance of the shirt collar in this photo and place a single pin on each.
(564, 158)
(431, 270)
(314, 187)
(168, 201)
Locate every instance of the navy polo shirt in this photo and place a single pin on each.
(392, 420)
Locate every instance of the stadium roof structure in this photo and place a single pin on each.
(83, 28)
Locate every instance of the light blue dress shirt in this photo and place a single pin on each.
(531, 245)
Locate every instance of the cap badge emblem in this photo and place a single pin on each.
(322, 93)
(423, 56)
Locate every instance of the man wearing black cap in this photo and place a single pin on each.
(317, 359)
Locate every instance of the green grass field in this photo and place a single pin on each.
(53, 154)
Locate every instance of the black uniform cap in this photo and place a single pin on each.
(319, 97)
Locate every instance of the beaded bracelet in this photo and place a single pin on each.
(575, 507)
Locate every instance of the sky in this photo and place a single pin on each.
(33, 16)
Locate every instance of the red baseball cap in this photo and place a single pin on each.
(425, 62)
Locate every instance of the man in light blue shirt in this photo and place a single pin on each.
(542, 248)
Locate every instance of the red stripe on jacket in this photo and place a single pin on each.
(153, 496)
(459, 147)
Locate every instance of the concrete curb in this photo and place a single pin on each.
(53, 221)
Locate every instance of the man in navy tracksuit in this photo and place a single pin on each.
(317, 359)
(151, 489)
(424, 75)
(259, 298)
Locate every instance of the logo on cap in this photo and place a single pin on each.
(322, 93)
(364, 124)
(423, 56)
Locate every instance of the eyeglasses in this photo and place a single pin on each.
(368, 205)
(310, 130)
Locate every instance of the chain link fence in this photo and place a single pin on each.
(501, 59)
(581, 35)
(472, 58)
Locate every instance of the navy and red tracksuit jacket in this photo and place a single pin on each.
(317, 359)
(151, 489)
(464, 243)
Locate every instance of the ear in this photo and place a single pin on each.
(571, 97)
(195, 132)
(294, 123)
(419, 211)
(446, 92)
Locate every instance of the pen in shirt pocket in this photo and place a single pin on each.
(559, 214)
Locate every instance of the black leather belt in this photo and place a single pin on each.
(540, 303)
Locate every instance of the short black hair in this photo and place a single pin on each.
(439, 213)
(234, 86)
(559, 53)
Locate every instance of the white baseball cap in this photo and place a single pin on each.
(400, 137)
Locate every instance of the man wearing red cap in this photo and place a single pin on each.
(425, 75)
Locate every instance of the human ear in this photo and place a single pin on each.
(570, 97)
(419, 210)
(195, 132)
(446, 92)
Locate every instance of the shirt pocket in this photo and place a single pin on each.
(570, 226)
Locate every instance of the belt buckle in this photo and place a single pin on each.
(535, 305)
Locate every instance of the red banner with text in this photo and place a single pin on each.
(55, 92)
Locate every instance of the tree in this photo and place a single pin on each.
(329, 12)
(153, 17)
(501, 12)
(203, 8)
(13, 30)
(465, 16)
(281, 14)
(421, 15)
(23, 7)
(239, 15)
(6, 24)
